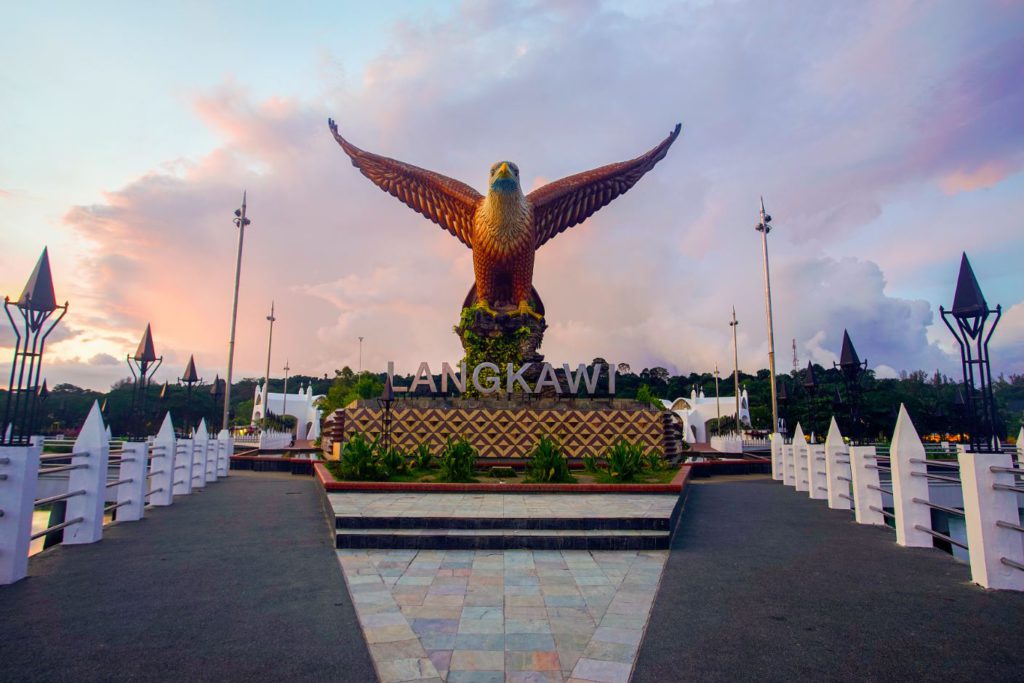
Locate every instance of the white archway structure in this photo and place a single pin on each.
(301, 406)
(696, 410)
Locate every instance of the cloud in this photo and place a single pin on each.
(103, 359)
(851, 108)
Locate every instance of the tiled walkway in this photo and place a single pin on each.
(514, 615)
(580, 505)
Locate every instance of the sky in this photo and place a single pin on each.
(886, 139)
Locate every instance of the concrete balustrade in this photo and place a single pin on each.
(990, 486)
(778, 472)
(183, 458)
(867, 493)
(20, 466)
(91, 453)
(199, 454)
(910, 485)
(991, 513)
(837, 470)
(161, 468)
(131, 491)
(800, 459)
(144, 473)
(817, 481)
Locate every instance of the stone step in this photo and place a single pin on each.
(502, 539)
(654, 523)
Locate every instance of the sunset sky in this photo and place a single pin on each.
(886, 137)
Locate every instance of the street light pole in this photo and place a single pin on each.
(736, 366)
(360, 355)
(764, 227)
(240, 221)
(266, 377)
(718, 403)
(284, 406)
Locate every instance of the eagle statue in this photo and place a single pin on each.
(505, 227)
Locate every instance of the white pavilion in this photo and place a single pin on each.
(696, 410)
(301, 406)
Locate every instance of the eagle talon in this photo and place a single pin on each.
(526, 309)
(482, 305)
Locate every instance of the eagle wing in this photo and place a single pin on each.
(448, 202)
(567, 202)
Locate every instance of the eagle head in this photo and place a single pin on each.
(504, 177)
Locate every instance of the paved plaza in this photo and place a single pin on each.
(494, 616)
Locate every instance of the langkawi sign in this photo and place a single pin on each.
(488, 378)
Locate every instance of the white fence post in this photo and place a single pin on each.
(225, 448)
(181, 476)
(867, 499)
(131, 493)
(837, 469)
(776, 444)
(816, 479)
(800, 459)
(1020, 448)
(788, 476)
(200, 448)
(212, 458)
(20, 466)
(91, 449)
(906, 460)
(984, 507)
(161, 469)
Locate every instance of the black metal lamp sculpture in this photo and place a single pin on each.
(142, 365)
(853, 369)
(387, 397)
(36, 306)
(972, 331)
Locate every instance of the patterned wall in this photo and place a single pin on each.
(510, 432)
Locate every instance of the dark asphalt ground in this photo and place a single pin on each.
(764, 584)
(238, 582)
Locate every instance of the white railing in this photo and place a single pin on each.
(271, 440)
(905, 481)
(727, 444)
(93, 480)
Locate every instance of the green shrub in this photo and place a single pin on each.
(392, 461)
(456, 461)
(625, 461)
(548, 463)
(359, 460)
(655, 462)
(423, 458)
(590, 463)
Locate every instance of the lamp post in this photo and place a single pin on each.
(764, 227)
(188, 379)
(811, 387)
(284, 405)
(736, 366)
(718, 403)
(42, 395)
(387, 397)
(360, 355)
(970, 312)
(218, 392)
(852, 370)
(142, 365)
(266, 377)
(36, 306)
(783, 397)
(240, 221)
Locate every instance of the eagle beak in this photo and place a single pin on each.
(504, 171)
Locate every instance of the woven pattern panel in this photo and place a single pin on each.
(512, 432)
